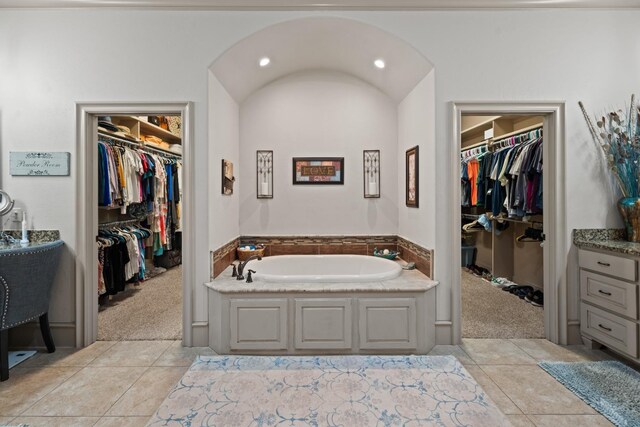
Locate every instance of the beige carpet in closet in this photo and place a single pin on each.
(489, 312)
(149, 311)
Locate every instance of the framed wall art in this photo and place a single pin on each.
(318, 170)
(227, 177)
(411, 177)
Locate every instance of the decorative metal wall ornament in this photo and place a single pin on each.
(371, 170)
(264, 174)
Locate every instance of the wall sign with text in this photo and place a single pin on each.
(39, 163)
(318, 170)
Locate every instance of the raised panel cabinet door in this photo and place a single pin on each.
(388, 323)
(258, 324)
(323, 323)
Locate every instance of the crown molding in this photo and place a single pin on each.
(266, 5)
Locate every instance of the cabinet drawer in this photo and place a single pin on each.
(623, 268)
(258, 324)
(612, 294)
(609, 329)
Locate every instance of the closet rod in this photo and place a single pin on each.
(119, 223)
(159, 151)
(514, 133)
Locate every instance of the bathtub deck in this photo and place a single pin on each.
(408, 281)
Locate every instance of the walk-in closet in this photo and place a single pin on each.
(502, 272)
(139, 236)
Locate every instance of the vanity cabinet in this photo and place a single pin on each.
(609, 300)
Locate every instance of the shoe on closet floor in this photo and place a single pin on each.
(478, 271)
(499, 282)
(535, 298)
(522, 291)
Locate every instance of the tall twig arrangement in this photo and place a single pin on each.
(618, 136)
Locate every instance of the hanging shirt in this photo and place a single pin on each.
(472, 171)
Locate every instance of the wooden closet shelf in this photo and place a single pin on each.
(482, 126)
(516, 132)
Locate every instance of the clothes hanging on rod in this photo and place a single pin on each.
(508, 180)
(472, 163)
(121, 251)
(143, 184)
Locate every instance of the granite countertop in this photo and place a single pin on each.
(605, 239)
(408, 281)
(36, 238)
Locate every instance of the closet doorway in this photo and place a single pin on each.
(502, 221)
(134, 215)
(508, 225)
(139, 235)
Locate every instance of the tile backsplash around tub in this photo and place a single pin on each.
(222, 257)
(412, 252)
(321, 245)
(324, 245)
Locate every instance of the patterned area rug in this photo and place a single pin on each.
(354, 391)
(609, 387)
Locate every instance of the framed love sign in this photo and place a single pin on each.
(318, 170)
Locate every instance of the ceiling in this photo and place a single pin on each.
(321, 5)
(321, 43)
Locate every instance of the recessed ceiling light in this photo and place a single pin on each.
(264, 61)
(379, 63)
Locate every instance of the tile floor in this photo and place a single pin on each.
(123, 383)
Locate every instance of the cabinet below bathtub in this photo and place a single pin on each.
(258, 323)
(334, 323)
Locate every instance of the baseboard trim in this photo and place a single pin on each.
(29, 336)
(573, 332)
(443, 332)
(200, 334)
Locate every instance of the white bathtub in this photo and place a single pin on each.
(323, 269)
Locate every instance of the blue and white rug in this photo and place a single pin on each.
(354, 391)
(610, 387)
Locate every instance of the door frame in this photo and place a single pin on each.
(554, 201)
(87, 209)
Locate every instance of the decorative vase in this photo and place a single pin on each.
(629, 208)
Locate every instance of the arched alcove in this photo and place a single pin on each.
(321, 95)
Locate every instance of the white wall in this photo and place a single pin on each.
(224, 144)
(416, 126)
(51, 59)
(318, 113)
